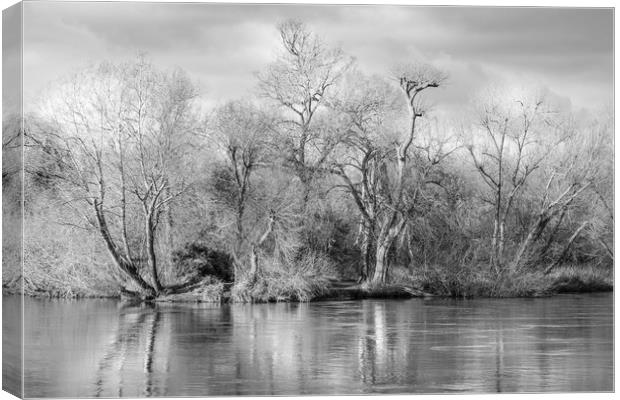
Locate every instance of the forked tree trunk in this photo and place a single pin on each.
(121, 261)
(392, 227)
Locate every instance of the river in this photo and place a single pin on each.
(87, 348)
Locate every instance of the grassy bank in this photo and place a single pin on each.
(76, 281)
(480, 282)
(284, 285)
(581, 279)
(276, 286)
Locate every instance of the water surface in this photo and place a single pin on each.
(87, 348)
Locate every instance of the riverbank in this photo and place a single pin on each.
(430, 283)
(481, 283)
(566, 279)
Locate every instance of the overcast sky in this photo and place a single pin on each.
(221, 46)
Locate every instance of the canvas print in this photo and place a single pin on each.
(220, 199)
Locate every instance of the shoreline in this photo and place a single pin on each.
(351, 293)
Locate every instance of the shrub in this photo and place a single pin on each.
(62, 261)
(582, 278)
(464, 282)
(55, 276)
(199, 259)
(305, 280)
(479, 281)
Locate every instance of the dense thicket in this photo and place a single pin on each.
(321, 172)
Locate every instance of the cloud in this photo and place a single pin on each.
(222, 45)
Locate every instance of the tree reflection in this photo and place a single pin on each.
(136, 324)
(382, 357)
(326, 348)
(150, 337)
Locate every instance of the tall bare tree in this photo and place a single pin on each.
(114, 126)
(299, 82)
(364, 106)
(375, 169)
(413, 79)
(509, 145)
(527, 153)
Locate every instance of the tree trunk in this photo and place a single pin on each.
(169, 226)
(411, 265)
(381, 262)
(121, 262)
(532, 236)
(566, 248)
(494, 253)
(237, 265)
(150, 243)
(254, 264)
(608, 249)
(367, 247)
(554, 231)
(500, 243)
(388, 234)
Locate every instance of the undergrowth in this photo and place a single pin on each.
(304, 280)
(482, 282)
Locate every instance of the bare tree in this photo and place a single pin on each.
(413, 80)
(572, 174)
(549, 209)
(244, 131)
(114, 126)
(300, 81)
(376, 169)
(510, 146)
(365, 106)
(601, 227)
(524, 150)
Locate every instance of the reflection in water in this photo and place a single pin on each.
(136, 324)
(92, 348)
(499, 355)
